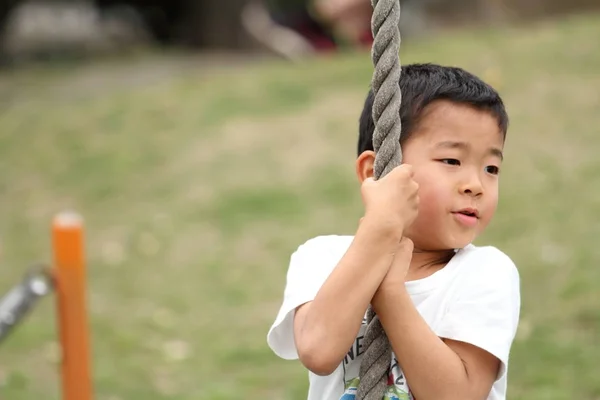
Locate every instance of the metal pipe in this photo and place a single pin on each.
(17, 303)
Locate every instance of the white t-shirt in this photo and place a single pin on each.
(475, 298)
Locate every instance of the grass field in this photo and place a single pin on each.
(197, 187)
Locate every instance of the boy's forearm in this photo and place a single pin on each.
(433, 370)
(336, 313)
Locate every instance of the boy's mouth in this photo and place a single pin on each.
(469, 212)
(467, 216)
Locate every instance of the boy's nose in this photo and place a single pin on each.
(472, 186)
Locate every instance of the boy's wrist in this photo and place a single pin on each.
(386, 294)
(383, 228)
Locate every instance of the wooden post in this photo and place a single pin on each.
(69, 265)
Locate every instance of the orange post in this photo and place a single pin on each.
(69, 265)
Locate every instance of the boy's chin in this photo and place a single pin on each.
(462, 241)
(453, 242)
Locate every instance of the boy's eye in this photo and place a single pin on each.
(450, 161)
(492, 169)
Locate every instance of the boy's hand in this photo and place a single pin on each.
(392, 202)
(396, 275)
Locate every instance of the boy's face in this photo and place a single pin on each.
(456, 153)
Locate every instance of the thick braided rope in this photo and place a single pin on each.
(386, 142)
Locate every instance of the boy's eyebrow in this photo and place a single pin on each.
(465, 146)
(496, 152)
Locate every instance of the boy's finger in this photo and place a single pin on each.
(405, 169)
(409, 169)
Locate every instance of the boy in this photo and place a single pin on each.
(450, 309)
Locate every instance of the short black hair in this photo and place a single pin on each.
(421, 85)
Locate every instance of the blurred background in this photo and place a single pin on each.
(204, 140)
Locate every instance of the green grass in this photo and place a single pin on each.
(196, 188)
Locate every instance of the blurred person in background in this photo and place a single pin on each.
(299, 28)
(350, 20)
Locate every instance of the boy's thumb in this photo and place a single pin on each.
(368, 180)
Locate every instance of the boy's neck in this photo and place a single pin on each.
(424, 263)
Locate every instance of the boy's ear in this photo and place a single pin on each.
(364, 165)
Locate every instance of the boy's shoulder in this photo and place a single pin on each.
(320, 253)
(488, 253)
(325, 245)
(475, 261)
(470, 254)
(486, 261)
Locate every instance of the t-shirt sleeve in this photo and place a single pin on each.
(309, 267)
(486, 308)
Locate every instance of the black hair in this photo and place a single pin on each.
(421, 85)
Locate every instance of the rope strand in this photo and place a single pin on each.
(374, 368)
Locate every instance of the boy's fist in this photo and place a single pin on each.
(393, 200)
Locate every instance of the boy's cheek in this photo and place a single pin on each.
(429, 211)
(489, 214)
(431, 197)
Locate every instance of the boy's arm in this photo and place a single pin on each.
(435, 369)
(325, 328)
(481, 322)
